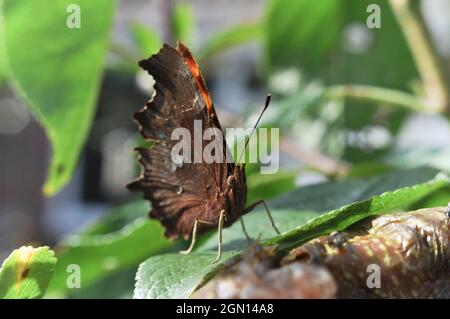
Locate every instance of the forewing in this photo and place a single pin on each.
(179, 193)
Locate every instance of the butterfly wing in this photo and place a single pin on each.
(179, 193)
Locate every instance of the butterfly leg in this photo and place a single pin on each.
(194, 236)
(244, 229)
(194, 239)
(272, 222)
(219, 237)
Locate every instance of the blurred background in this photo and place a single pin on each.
(353, 97)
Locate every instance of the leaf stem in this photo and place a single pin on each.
(376, 94)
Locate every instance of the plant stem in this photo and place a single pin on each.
(376, 94)
(437, 96)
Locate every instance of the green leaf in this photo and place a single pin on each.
(182, 22)
(368, 67)
(26, 272)
(147, 40)
(301, 31)
(229, 38)
(2, 52)
(57, 71)
(299, 215)
(305, 34)
(172, 275)
(346, 216)
(121, 239)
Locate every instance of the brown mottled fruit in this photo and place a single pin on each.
(404, 255)
(258, 275)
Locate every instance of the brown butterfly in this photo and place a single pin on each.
(191, 198)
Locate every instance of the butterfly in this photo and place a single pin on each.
(188, 198)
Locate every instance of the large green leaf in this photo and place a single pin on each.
(298, 215)
(26, 272)
(121, 239)
(305, 34)
(369, 67)
(332, 195)
(301, 32)
(57, 71)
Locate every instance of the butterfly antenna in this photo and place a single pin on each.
(266, 105)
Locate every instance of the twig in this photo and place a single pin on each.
(437, 96)
(313, 158)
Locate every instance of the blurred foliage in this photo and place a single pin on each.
(61, 92)
(26, 272)
(148, 42)
(309, 110)
(331, 42)
(307, 47)
(118, 285)
(306, 41)
(317, 45)
(2, 53)
(269, 186)
(228, 38)
(182, 22)
(331, 78)
(369, 67)
(421, 156)
(120, 239)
